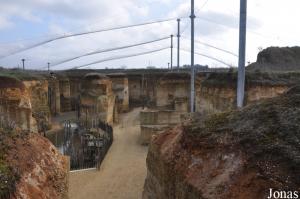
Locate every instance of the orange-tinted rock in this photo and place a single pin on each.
(238, 154)
(43, 171)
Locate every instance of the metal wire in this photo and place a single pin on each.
(120, 57)
(209, 57)
(85, 33)
(211, 46)
(109, 50)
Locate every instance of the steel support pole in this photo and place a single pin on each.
(178, 44)
(48, 66)
(172, 51)
(192, 56)
(23, 62)
(242, 54)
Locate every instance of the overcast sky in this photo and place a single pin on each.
(26, 22)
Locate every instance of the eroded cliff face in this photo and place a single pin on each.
(15, 105)
(38, 94)
(54, 95)
(97, 100)
(238, 154)
(40, 170)
(171, 88)
(65, 94)
(216, 99)
(217, 91)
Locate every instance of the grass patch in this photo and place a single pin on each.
(216, 121)
(21, 75)
(8, 175)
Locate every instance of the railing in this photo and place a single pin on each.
(107, 144)
(87, 150)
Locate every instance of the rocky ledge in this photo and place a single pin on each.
(31, 167)
(238, 154)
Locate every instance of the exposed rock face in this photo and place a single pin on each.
(217, 92)
(15, 104)
(277, 59)
(65, 94)
(171, 100)
(212, 100)
(143, 88)
(155, 121)
(38, 93)
(97, 99)
(120, 89)
(42, 172)
(239, 154)
(172, 88)
(54, 95)
(135, 90)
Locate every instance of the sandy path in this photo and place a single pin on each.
(123, 171)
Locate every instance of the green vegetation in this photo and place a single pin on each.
(216, 121)
(8, 176)
(229, 79)
(7, 180)
(20, 74)
(277, 59)
(269, 130)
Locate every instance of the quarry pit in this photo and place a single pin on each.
(128, 134)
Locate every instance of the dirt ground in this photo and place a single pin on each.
(123, 171)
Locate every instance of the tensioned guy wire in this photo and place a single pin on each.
(109, 50)
(120, 57)
(211, 46)
(209, 57)
(86, 33)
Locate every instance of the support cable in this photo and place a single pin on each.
(109, 50)
(209, 57)
(211, 46)
(86, 33)
(120, 57)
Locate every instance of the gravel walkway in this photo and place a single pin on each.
(123, 171)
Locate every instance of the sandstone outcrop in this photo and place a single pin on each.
(38, 93)
(216, 92)
(277, 59)
(239, 154)
(15, 104)
(97, 100)
(32, 167)
(121, 90)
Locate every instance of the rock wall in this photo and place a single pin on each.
(135, 93)
(211, 100)
(65, 94)
(171, 87)
(171, 102)
(120, 89)
(217, 93)
(238, 154)
(153, 122)
(42, 172)
(97, 100)
(75, 86)
(38, 93)
(142, 89)
(54, 96)
(15, 105)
